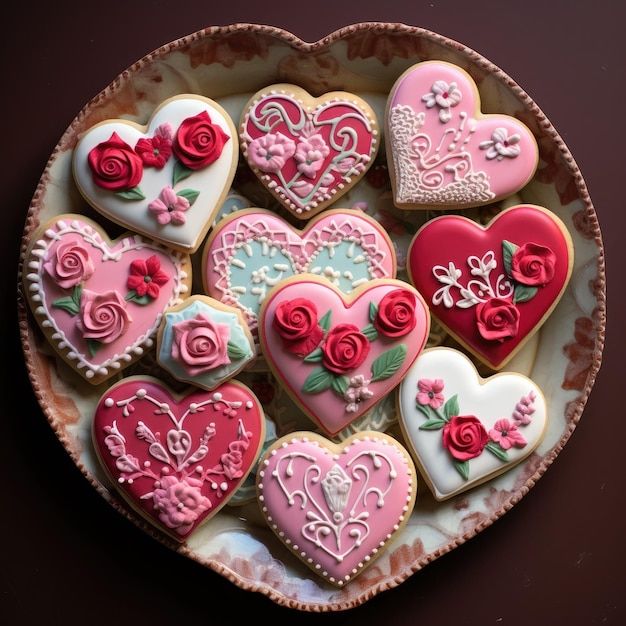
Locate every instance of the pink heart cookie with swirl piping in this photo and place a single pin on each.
(99, 302)
(177, 459)
(338, 355)
(308, 151)
(443, 151)
(336, 506)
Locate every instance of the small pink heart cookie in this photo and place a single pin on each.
(492, 287)
(177, 459)
(166, 180)
(99, 302)
(336, 506)
(462, 429)
(338, 355)
(308, 151)
(442, 151)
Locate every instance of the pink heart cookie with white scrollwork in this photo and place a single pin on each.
(336, 506)
(177, 459)
(308, 151)
(339, 354)
(166, 179)
(443, 151)
(99, 302)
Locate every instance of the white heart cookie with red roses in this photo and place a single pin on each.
(166, 179)
(443, 151)
(99, 301)
(336, 506)
(492, 287)
(308, 151)
(177, 459)
(463, 429)
(339, 354)
(250, 251)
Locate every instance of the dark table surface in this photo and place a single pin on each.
(556, 558)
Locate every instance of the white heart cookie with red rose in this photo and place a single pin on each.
(339, 354)
(443, 151)
(463, 429)
(492, 287)
(177, 459)
(99, 301)
(166, 179)
(308, 151)
(250, 251)
(336, 506)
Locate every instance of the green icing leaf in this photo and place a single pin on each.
(325, 321)
(523, 293)
(433, 424)
(131, 194)
(314, 357)
(387, 364)
(462, 467)
(451, 407)
(370, 332)
(71, 304)
(133, 296)
(318, 380)
(190, 194)
(180, 172)
(93, 345)
(236, 351)
(497, 450)
(340, 384)
(373, 311)
(508, 250)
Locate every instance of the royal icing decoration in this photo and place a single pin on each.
(336, 507)
(166, 180)
(251, 251)
(99, 302)
(462, 429)
(492, 287)
(338, 355)
(177, 459)
(443, 151)
(308, 151)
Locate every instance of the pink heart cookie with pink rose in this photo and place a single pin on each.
(338, 355)
(177, 459)
(492, 287)
(99, 302)
(443, 151)
(308, 151)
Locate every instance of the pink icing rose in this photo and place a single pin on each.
(199, 142)
(270, 152)
(345, 348)
(147, 277)
(296, 323)
(103, 316)
(396, 313)
(156, 151)
(429, 393)
(200, 344)
(180, 502)
(114, 165)
(506, 434)
(464, 437)
(533, 265)
(70, 264)
(497, 319)
(310, 154)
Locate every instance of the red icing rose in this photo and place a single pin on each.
(396, 313)
(103, 316)
(70, 264)
(497, 319)
(115, 165)
(464, 437)
(296, 323)
(199, 142)
(345, 348)
(533, 265)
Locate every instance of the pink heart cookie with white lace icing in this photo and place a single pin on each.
(99, 302)
(308, 151)
(338, 355)
(250, 251)
(336, 506)
(167, 179)
(464, 429)
(442, 151)
(177, 458)
(492, 287)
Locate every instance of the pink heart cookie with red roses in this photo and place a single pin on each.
(99, 302)
(177, 459)
(492, 287)
(166, 179)
(308, 151)
(442, 151)
(338, 355)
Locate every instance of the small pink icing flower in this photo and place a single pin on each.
(445, 96)
(156, 151)
(103, 316)
(501, 145)
(232, 461)
(497, 319)
(70, 264)
(270, 152)
(114, 165)
(524, 409)
(147, 277)
(533, 264)
(169, 207)
(357, 392)
(310, 154)
(506, 434)
(429, 392)
(198, 141)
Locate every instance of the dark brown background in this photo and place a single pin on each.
(556, 558)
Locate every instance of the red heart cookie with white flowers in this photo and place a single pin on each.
(338, 355)
(442, 151)
(308, 151)
(99, 302)
(492, 287)
(336, 506)
(177, 459)
(166, 179)
(463, 429)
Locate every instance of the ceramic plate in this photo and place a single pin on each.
(229, 64)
